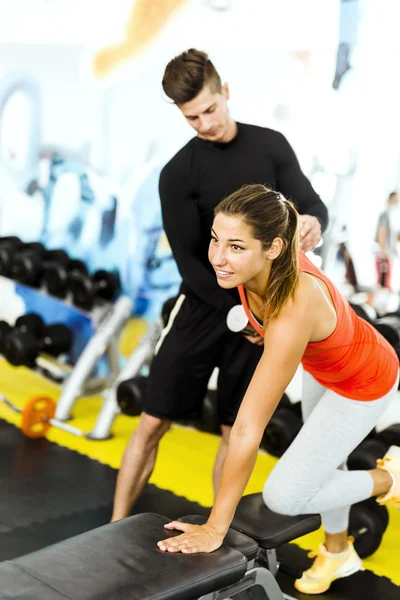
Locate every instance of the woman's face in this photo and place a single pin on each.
(237, 257)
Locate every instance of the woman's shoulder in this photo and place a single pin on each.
(301, 302)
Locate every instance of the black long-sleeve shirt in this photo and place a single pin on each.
(201, 174)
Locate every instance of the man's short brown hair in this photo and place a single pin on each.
(187, 74)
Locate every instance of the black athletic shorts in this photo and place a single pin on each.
(195, 340)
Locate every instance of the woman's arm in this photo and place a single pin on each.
(285, 341)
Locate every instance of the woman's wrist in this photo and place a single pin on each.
(218, 527)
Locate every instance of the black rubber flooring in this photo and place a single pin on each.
(49, 493)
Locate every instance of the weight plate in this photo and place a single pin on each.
(366, 528)
(280, 431)
(364, 457)
(107, 284)
(36, 415)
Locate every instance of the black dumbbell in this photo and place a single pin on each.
(280, 431)
(130, 395)
(368, 523)
(26, 267)
(30, 323)
(389, 327)
(85, 289)
(58, 269)
(9, 246)
(364, 457)
(23, 347)
(285, 402)
(389, 436)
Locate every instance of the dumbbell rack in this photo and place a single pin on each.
(79, 382)
(139, 357)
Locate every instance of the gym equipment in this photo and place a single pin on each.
(108, 321)
(130, 395)
(285, 402)
(26, 268)
(121, 560)
(8, 248)
(368, 523)
(38, 416)
(23, 348)
(86, 290)
(389, 327)
(364, 457)
(78, 381)
(364, 311)
(238, 322)
(57, 272)
(141, 357)
(389, 436)
(31, 323)
(280, 431)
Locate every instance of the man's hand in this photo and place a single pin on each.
(196, 538)
(310, 232)
(254, 338)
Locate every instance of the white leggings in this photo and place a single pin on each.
(311, 477)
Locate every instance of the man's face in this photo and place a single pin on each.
(208, 114)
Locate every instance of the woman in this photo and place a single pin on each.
(351, 375)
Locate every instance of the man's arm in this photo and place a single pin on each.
(183, 229)
(294, 184)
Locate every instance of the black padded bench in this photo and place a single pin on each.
(121, 561)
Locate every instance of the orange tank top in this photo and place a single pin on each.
(355, 361)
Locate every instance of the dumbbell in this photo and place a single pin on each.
(86, 289)
(23, 347)
(27, 264)
(389, 436)
(364, 457)
(130, 395)
(295, 407)
(280, 432)
(30, 322)
(8, 248)
(368, 522)
(58, 269)
(389, 327)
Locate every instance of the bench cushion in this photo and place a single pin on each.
(233, 539)
(270, 529)
(120, 561)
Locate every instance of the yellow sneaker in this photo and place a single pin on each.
(391, 463)
(326, 568)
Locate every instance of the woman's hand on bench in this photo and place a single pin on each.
(196, 538)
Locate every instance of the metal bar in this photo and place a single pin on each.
(10, 404)
(65, 427)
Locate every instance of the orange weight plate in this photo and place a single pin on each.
(36, 415)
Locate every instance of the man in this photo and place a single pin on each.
(386, 239)
(224, 156)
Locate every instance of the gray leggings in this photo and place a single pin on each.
(311, 477)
